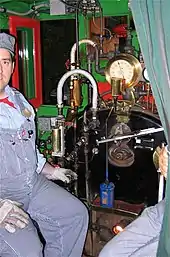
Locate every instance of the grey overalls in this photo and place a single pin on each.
(62, 218)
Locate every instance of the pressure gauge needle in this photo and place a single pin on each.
(121, 70)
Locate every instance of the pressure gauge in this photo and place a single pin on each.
(126, 67)
(145, 75)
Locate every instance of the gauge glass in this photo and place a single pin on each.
(145, 74)
(122, 69)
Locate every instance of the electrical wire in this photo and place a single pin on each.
(77, 32)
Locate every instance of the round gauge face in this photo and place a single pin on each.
(122, 69)
(145, 74)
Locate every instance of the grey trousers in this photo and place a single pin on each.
(140, 238)
(62, 220)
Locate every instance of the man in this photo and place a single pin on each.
(26, 193)
(141, 237)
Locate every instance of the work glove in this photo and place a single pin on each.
(54, 172)
(163, 160)
(62, 174)
(12, 216)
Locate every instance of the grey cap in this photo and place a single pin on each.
(7, 42)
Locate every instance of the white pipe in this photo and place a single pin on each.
(74, 48)
(161, 188)
(73, 72)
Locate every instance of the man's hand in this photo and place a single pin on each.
(163, 160)
(57, 173)
(12, 216)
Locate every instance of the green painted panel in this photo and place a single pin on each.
(46, 16)
(20, 6)
(29, 63)
(26, 61)
(114, 7)
(3, 21)
(49, 110)
(16, 6)
(20, 1)
(110, 7)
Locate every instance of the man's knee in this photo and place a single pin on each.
(82, 211)
(23, 243)
(34, 250)
(110, 250)
(105, 253)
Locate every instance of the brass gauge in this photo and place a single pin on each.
(126, 67)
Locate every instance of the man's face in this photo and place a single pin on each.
(6, 69)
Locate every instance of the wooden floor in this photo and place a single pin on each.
(102, 222)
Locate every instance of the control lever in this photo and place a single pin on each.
(144, 143)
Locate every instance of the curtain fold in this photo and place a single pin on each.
(152, 22)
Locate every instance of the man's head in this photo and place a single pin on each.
(7, 44)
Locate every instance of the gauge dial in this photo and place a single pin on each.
(145, 75)
(126, 67)
(122, 69)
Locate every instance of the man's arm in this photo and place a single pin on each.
(54, 172)
(41, 161)
(50, 171)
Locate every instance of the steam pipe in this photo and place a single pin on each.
(73, 72)
(73, 54)
(74, 48)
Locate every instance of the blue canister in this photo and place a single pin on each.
(107, 194)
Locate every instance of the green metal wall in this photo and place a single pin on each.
(110, 8)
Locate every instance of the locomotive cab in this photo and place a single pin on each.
(80, 65)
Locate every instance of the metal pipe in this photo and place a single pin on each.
(73, 54)
(89, 68)
(132, 135)
(75, 72)
(33, 9)
(74, 48)
(97, 66)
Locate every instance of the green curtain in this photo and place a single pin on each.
(152, 22)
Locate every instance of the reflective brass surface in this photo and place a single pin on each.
(77, 93)
(56, 140)
(116, 84)
(133, 61)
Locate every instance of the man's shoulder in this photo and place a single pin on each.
(17, 93)
(22, 101)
